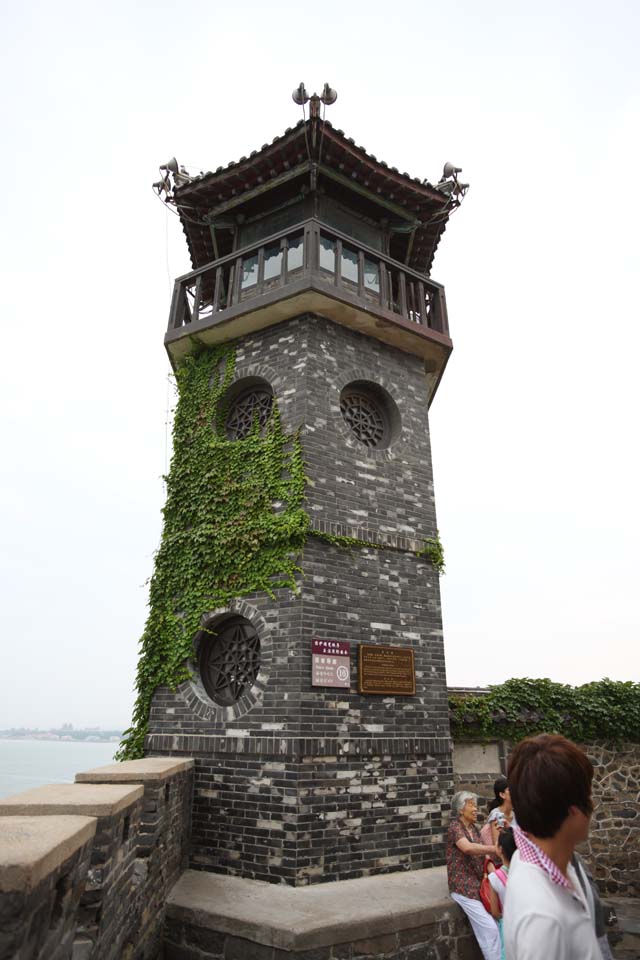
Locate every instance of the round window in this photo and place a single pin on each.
(250, 405)
(370, 413)
(229, 660)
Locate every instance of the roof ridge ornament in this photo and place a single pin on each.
(327, 97)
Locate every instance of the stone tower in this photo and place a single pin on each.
(312, 264)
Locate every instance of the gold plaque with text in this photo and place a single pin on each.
(386, 670)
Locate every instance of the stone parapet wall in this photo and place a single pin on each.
(161, 843)
(85, 868)
(613, 848)
(43, 874)
(449, 938)
(105, 903)
(398, 917)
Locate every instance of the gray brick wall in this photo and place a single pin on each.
(105, 904)
(107, 900)
(40, 923)
(161, 855)
(385, 596)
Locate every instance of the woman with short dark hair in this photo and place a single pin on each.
(465, 856)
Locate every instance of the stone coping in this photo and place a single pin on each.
(136, 771)
(31, 848)
(320, 915)
(89, 800)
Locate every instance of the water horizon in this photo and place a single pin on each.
(27, 763)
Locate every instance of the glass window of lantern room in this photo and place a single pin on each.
(273, 222)
(347, 221)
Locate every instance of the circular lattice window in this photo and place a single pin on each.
(370, 413)
(229, 660)
(248, 407)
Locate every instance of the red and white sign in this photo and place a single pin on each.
(330, 663)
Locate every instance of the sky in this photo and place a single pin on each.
(534, 427)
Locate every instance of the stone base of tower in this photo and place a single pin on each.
(312, 811)
(407, 917)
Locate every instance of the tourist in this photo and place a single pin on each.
(546, 913)
(501, 815)
(498, 879)
(465, 862)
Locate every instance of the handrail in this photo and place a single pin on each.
(295, 228)
(398, 291)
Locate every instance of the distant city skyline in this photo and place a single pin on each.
(66, 732)
(62, 726)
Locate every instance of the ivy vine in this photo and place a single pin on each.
(434, 551)
(602, 710)
(234, 524)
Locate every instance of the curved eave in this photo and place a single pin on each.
(333, 149)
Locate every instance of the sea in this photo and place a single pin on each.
(25, 764)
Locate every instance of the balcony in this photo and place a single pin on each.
(311, 268)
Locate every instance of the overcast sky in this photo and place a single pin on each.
(535, 425)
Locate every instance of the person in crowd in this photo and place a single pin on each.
(465, 863)
(498, 879)
(501, 809)
(546, 913)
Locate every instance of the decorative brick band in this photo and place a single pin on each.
(391, 541)
(297, 747)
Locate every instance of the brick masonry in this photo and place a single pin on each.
(107, 900)
(383, 760)
(40, 924)
(161, 844)
(105, 903)
(317, 818)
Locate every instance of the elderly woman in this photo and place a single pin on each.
(465, 861)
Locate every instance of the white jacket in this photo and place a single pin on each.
(544, 921)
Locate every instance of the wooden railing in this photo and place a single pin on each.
(310, 251)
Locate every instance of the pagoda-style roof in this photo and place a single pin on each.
(311, 155)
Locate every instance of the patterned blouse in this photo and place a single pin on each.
(464, 871)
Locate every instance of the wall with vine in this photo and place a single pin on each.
(222, 536)
(234, 524)
(604, 710)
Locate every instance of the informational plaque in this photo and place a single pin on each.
(330, 663)
(386, 670)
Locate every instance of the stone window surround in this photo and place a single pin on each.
(378, 414)
(258, 373)
(397, 445)
(193, 692)
(241, 389)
